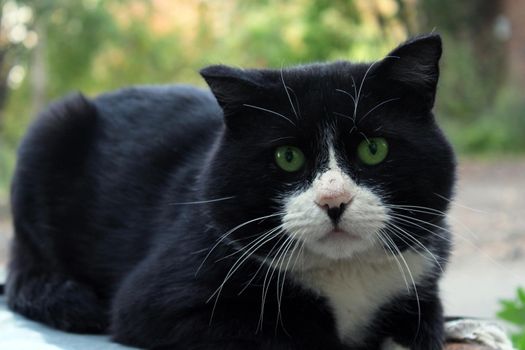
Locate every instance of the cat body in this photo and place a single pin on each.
(245, 217)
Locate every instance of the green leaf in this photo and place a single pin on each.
(521, 294)
(508, 303)
(513, 311)
(514, 316)
(519, 340)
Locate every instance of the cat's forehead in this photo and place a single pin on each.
(319, 80)
(322, 98)
(322, 89)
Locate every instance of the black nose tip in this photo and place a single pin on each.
(335, 213)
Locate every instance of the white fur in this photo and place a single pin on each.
(362, 219)
(356, 288)
(332, 187)
(478, 331)
(352, 272)
(389, 344)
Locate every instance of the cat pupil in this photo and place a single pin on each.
(373, 148)
(288, 156)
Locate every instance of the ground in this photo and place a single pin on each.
(488, 221)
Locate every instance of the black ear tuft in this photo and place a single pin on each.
(415, 64)
(231, 86)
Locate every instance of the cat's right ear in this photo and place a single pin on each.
(414, 65)
(232, 87)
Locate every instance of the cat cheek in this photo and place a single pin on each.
(303, 217)
(367, 214)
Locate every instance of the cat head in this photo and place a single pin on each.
(334, 158)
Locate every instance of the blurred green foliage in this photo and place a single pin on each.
(95, 46)
(498, 129)
(513, 311)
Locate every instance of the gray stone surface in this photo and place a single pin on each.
(18, 333)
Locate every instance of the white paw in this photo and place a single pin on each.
(478, 331)
(389, 344)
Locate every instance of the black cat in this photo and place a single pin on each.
(304, 210)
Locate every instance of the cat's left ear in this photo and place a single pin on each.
(232, 86)
(415, 66)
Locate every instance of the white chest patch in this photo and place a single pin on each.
(356, 289)
(389, 344)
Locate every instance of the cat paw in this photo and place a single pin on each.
(478, 331)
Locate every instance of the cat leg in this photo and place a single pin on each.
(154, 308)
(413, 327)
(194, 331)
(57, 301)
(51, 297)
(478, 331)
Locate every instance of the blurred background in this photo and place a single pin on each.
(51, 47)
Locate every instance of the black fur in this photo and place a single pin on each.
(104, 241)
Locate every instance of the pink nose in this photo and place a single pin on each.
(331, 190)
(332, 199)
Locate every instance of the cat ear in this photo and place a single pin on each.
(232, 86)
(415, 65)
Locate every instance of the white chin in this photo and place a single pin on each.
(339, 247)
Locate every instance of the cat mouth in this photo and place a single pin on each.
(339, 235)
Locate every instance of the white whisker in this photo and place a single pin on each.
(267, 280)
(272, 112)
(431, 211)
(366, 138)
(454, 202)
(288, 95)
(205, 201)
(223, 237)
(358, 95)
(400, 255)
(296, 101)
(404, 234)
(261, 264)
(343, 116)
(407, 219)
(281, 138)
(346, 93)
(265, 238)
(471, 243)
(386, 243)
(283, 280)
(377, 106)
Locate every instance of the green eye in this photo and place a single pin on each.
(289, 158)
(372, 151)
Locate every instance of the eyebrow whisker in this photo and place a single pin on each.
(366, 138)
(296, 101)
(343, 115)
(272, 112)
(281, 138)
(288, 94)
(346, 93)
(377, 106)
